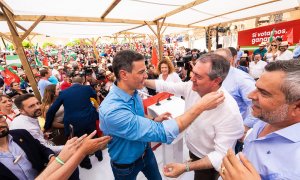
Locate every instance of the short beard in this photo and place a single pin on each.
(278, 115)
(4, 132)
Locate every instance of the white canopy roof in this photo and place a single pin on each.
(77, 18)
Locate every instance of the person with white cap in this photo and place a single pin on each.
(284, 53)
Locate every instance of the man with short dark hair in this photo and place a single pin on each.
(30, 110)
(214, 131)
(122, 117)
(257, 67)
(21, 155)
(273, 146)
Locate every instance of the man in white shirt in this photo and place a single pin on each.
(284, 53)
(30, 109)
(257, 67)
(214, 131)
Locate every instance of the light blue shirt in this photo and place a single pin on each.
(277, 155)
(238, 56)
(296, 52)
(42, 84)
(239, 85)
(22, 169)
(122, 117)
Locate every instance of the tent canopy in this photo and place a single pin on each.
(75, 18)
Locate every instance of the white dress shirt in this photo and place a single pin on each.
(33, 127)
(286, 55)
(214, 131)
(256, 69)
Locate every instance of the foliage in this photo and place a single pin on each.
(26, 44)
(46, 44)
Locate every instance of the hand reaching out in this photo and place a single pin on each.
(234, 169)
(89, 145)
(71, 147)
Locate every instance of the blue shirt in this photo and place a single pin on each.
(277, 155)
(296, 52)
(22, 169)
(42, 84)
(122, 117)
(239, 85)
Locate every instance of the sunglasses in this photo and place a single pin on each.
(274, 45)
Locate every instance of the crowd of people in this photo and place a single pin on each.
(90, 103)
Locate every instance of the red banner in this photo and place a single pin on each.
(289, 31)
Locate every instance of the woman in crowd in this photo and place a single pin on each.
(110, 80)
(16, 89)
(6, 108)
(166, 71)
(50, 94)
(272, 52)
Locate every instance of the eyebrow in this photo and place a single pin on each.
(263, 91)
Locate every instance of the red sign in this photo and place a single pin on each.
(289, 31)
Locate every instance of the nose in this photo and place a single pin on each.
(253, 95)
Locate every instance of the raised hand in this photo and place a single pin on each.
(71, 147)
(89, 145)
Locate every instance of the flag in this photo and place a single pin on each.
(45, 61)
(288, 36)
(13, 60)
(37, 61)
(154, 58)
(272, 35)
(36, 53)
(10, 77)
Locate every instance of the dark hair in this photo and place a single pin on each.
(43, 72)
(243, 62)
(1, 96)
(233, 51)
(123, 61)
(19, 100)
(12, 84)
(219, 65)
(291, 84)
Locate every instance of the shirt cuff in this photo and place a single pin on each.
(171, 130)
(215, 159)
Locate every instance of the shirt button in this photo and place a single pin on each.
(268, 152)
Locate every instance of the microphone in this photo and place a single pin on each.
(157, 102)
(169, 98)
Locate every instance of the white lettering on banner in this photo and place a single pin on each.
(259, 37)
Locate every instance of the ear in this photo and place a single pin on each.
(123, 75)
(296, 109)
(217, 81)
